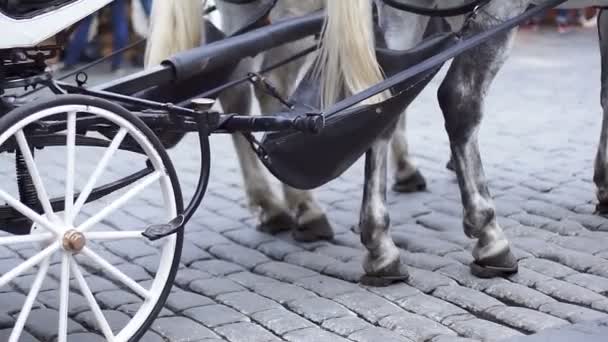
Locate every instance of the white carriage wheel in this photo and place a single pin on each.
(55, 229)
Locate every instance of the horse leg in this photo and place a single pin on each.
(407, 176)
(274, 217)
(382, 263)
(461, 97)
(311, 222)
(401, 31)
(601, 160)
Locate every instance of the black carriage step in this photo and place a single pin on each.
(159, 231)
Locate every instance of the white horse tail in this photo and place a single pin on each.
(347, 59)
(175, 26)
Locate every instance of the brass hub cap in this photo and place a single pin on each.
(74, 241)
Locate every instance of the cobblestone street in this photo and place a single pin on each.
(538, 142)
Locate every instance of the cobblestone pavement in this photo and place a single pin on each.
(237, 284)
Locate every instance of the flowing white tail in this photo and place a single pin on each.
(175, 26)
(347, 59)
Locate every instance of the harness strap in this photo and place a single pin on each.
(437, 12)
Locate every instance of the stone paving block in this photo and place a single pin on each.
(6, 321)
(318, 309)
(132, 309)
(565, 227)
(116, 319)
(326, 286)
(6, 253)
(42, 323)
(25, 336)
(247, 302)
(395, 291)
(585, 244)
(248, 237)
(425, 261)
(208, 239)
(466, 298)
(589, 281)
(181, 329)
(526, 231)
(250, 280)
(528, 277)
(311, 260)
(87, 337)
(570, 293)
(246, 332)
(448, 338)
(419, 244)
(549, 268)
(430, 307)
(215, 315)
(131, 249)
(114, 299)
(8, 264)
(463, 257)
(283, 271)
(439, 222)
(531, 219)
(462, 275)
(281, 321)
(345, 326)
(278, 249)
(183, 300)
(349, 271)
(342, 253)
(368, 305)
(217, 267)
(313, 335)
(186, 276)
(135, 272)
(427, 281)
(518, 295)
(482, 330)
(282, 292)
(377, 334)
(524, 319)
(215, 286)
(246, 257)
(415, 327)
(50, 299)
(546, 209)
(190, 253)
(571, 312)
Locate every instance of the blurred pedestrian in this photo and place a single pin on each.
(120, 31)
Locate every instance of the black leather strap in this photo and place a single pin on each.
(437, 12)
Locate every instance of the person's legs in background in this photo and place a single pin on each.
(78, 43)
(562, 20)
(120, 25)
(147, 5)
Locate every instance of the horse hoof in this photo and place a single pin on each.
(450, 165)
(414, 183)
(315, 230)
(501, 265)
(601, 209)
(395, 273)
(276, 224)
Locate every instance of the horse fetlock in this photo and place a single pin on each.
(374, 229)
(478, 219)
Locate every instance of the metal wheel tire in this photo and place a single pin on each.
(76, 251)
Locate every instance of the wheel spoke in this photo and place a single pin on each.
(101, 167)
(43, 197)
(86, 291)
(29, 213)
(70, 168)
(133, 191)
(119, 235)
(17, 239)
(64, 297)
(123, 278)
(29, 263)
(29, 301)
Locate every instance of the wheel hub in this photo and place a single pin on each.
(74, 241)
